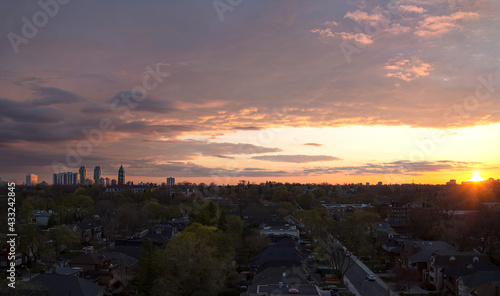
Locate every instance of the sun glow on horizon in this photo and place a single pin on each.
(476, 178)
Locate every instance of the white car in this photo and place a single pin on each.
(370, 277)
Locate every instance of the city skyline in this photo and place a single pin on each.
(306, 92)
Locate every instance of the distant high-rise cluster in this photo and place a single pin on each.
(70, 178)
(31, 179)
(170, 181)
(67, 178)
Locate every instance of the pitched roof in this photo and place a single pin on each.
(86, 259)
(425, 249)
(64, 285)
(462, 262)
(123, 259)
(481, 277)
(88, 224)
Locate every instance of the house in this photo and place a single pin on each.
(291, 220)
(279, 270)
(447, 267)
(88, 262)
(64, 285)
(280, 229)
(76, 271)
(480, 283)
(89, 230)
(132, 246)
(41, 218)
(179, 223)
(415, 255)
(166, 230)
(111, 269)
(127, 265)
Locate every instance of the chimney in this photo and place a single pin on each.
(470, 269)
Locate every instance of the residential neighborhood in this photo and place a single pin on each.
(255, 239)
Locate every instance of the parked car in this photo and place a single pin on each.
(370, 277)
(331, 288)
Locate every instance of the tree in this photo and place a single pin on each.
(336, 255)
(222, 222)
(194, 262)
(28, 242)
(148, 269)
(306, 200)
(63, 237)
(128, 218)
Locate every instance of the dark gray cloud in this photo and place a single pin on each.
(95, 108)
(136, 101)
(52, 95)
(19, 112)
(189, 169)
(192, 149)
(296, 158)
(149, 129)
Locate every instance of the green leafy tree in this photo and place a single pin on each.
(195, 262)
(63, 238)
(148, 269)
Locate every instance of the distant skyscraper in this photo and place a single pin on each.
(31, 179)
(106, 182)
(170, 181)
(97, 174)
(113, 182)
(83, 174)
(121, 176)
(65, 179)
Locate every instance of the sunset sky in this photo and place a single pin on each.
(222, 91)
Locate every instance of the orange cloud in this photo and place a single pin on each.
(407, 69)
(363, 17)
(412, 8)
(433, 26)
(356, 37)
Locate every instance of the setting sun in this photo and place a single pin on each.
(476, 177)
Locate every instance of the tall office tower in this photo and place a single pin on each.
(106, 182)
(170, 181)
(97, 174)
(31, 179)
(121, 176)
(83, 174)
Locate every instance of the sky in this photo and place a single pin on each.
(228, 90)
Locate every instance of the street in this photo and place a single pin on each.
(357, 277)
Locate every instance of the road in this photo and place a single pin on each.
(357, 277)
